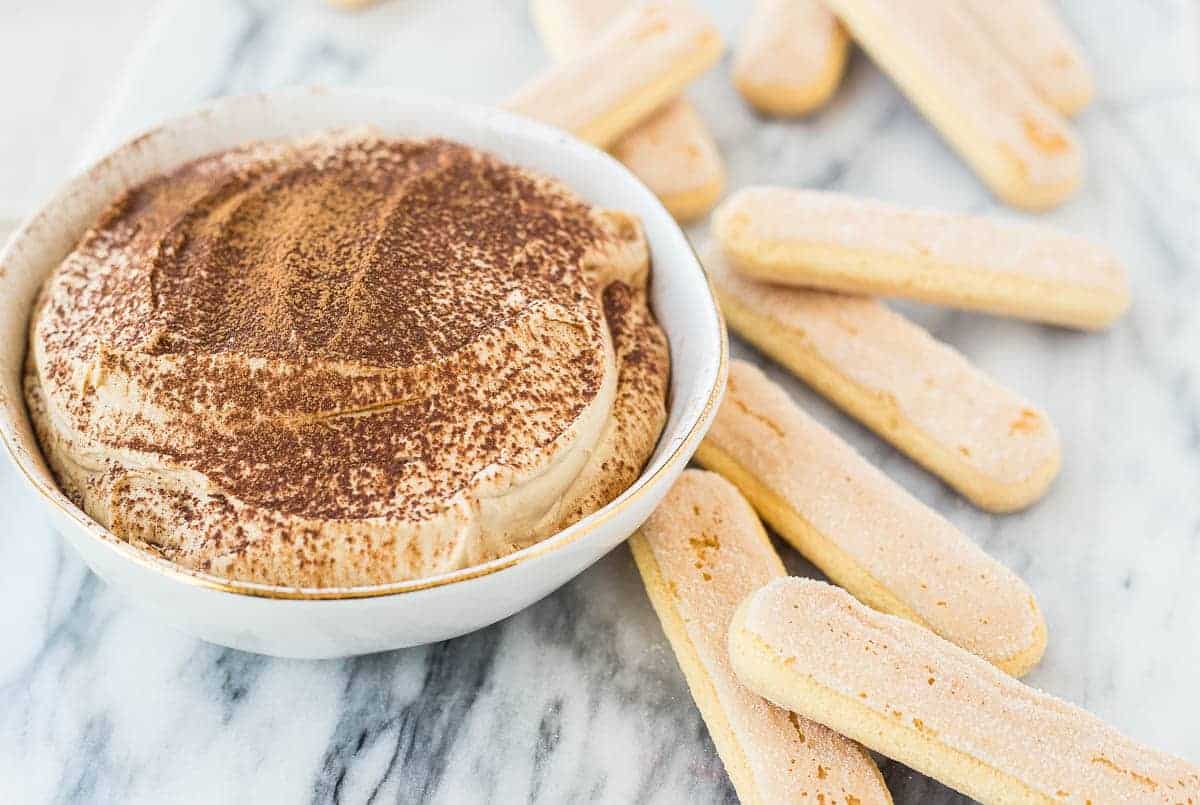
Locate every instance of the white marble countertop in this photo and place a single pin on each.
(579, 697)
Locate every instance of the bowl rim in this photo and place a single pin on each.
(693, 431)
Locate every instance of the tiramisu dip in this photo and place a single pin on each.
(347, 360)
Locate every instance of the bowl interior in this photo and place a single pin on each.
(680, 294)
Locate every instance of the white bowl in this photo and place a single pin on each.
(335, 622)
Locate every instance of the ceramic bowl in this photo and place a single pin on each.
(335, 622)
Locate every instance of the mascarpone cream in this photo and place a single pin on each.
(347, 360)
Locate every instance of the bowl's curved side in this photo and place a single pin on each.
(680, 296)
(319, 629)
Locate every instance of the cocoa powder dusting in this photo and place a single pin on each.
(344, 328)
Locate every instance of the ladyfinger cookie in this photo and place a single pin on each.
(837, 242)
(677, 158)
(791, 56)
(865, 531)
(998, 450)
(908, 694)
(949, 68)
(1032, 36)
(671, 151)
(639, 62)
(700, 554)
(567, 26)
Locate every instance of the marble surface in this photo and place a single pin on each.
(66, 55)
(579, 698)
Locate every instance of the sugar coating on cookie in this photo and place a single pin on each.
(845, 243)
(955, 75)
(791, 56)
(907, 693)
(642, 60)
(672, 150)
(700, 554)
(1031, 33)
(920, 394)
(864, 530)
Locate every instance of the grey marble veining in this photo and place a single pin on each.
(579, 699)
